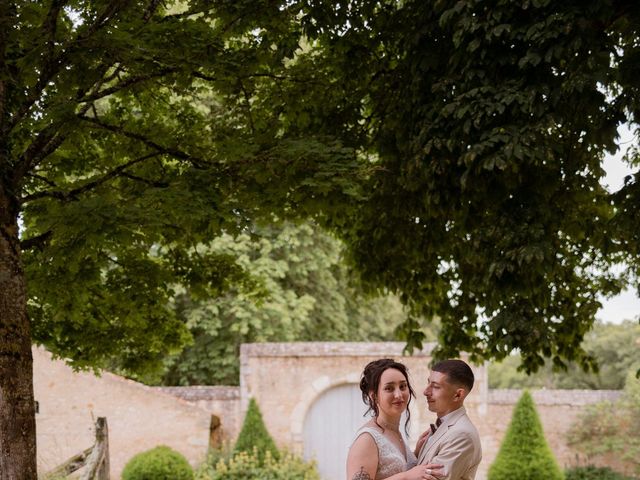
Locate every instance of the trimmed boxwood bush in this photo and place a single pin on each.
(160, 463)
(594, 473)
(525, 453)
(254, 434)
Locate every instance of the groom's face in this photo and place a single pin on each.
(442, 396)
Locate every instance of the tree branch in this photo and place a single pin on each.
(3, 96)
(185, 14)
(151, 183)
(179, 154)
(202, 76)
(280, 78)
(283, 78)
(53, 64)
(50, 26)
(127, 83)
(151, 9)
(247, 101)
(73, 194)
(45, 142)
(49, 139)
(116, 74)
(38, 241)
(107, 14)
(5, 26)
(43, 179)
(189, 13)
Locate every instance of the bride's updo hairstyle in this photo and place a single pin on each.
(370, 382)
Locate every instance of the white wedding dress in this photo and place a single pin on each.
(390, 459)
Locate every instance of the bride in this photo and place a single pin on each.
(379, 450)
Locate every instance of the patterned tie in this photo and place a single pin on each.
(435, 427)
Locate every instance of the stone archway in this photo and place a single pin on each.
(329, 427)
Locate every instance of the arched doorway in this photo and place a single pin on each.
(329, 427)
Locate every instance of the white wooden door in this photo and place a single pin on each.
(329, 428)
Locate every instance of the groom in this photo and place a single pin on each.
(454, 441)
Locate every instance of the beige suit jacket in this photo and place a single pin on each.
(456, 445)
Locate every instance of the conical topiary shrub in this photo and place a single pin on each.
(525, 453)
(254, 434)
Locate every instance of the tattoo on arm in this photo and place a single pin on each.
(361, 475)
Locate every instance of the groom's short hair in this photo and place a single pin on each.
(457, 372)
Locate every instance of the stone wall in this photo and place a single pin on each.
(221, 401)
(138, 417)
(285, 380)
(556, 398)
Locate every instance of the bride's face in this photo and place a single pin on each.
(393, 393)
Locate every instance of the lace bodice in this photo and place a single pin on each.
(390, 459)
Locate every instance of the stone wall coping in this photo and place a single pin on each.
(330, 349)
(203, 392)
(113, 378)
(553, 397)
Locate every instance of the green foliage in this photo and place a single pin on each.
(612, 427)
(159, 463)
(465, 180)
(614, 347)
(524, 452)
(484, 130)
(121, 176)
(593, 473)
(254, 435)
(302, 291)
(253, 466)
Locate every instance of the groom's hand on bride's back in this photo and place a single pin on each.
(421, 441)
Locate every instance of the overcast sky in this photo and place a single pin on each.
(625, 306)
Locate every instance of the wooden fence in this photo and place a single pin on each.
(95, 459)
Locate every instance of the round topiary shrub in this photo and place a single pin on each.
(160, 463)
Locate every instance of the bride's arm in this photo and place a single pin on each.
(362, 461)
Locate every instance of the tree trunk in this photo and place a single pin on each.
(17, 409)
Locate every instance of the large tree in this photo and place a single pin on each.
(485, 126)
(301, 291)
(127, 140)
